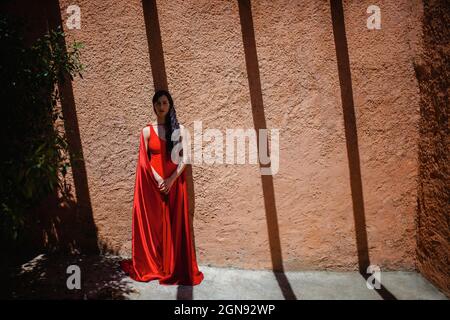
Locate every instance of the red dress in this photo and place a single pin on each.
(162, 246)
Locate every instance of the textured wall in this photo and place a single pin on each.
(310, 224)
(433, 72)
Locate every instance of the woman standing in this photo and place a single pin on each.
(162, 246)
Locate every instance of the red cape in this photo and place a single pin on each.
(162, 246)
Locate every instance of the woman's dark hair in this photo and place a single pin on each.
(171, 121)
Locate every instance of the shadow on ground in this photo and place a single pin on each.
(45, 277)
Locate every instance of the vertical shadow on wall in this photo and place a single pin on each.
(60, 223)
(259, 122)
(83, 215)
(154, 41)
(156, 55)
(351, 137)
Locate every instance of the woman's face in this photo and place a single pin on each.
(162, 106)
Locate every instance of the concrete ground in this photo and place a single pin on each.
(236, 284)
(45, 277)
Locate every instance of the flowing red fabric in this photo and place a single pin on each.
(162, 246)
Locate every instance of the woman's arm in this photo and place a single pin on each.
(180, 168)
(167, 183)
(146, 132)
(158, 178)
(181, 164)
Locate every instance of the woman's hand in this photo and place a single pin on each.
(166, 184)
(162, 184)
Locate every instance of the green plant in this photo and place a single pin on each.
(34, 156)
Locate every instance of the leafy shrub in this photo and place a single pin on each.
(34, 151)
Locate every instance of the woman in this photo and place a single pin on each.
(162, 246)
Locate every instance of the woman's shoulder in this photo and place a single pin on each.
(146, 131)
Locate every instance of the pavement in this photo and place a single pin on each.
(237, 284)
(46, 277)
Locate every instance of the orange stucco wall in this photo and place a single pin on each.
(310, 217)
(348, 158)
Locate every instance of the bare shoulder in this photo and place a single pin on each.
(146, 132)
